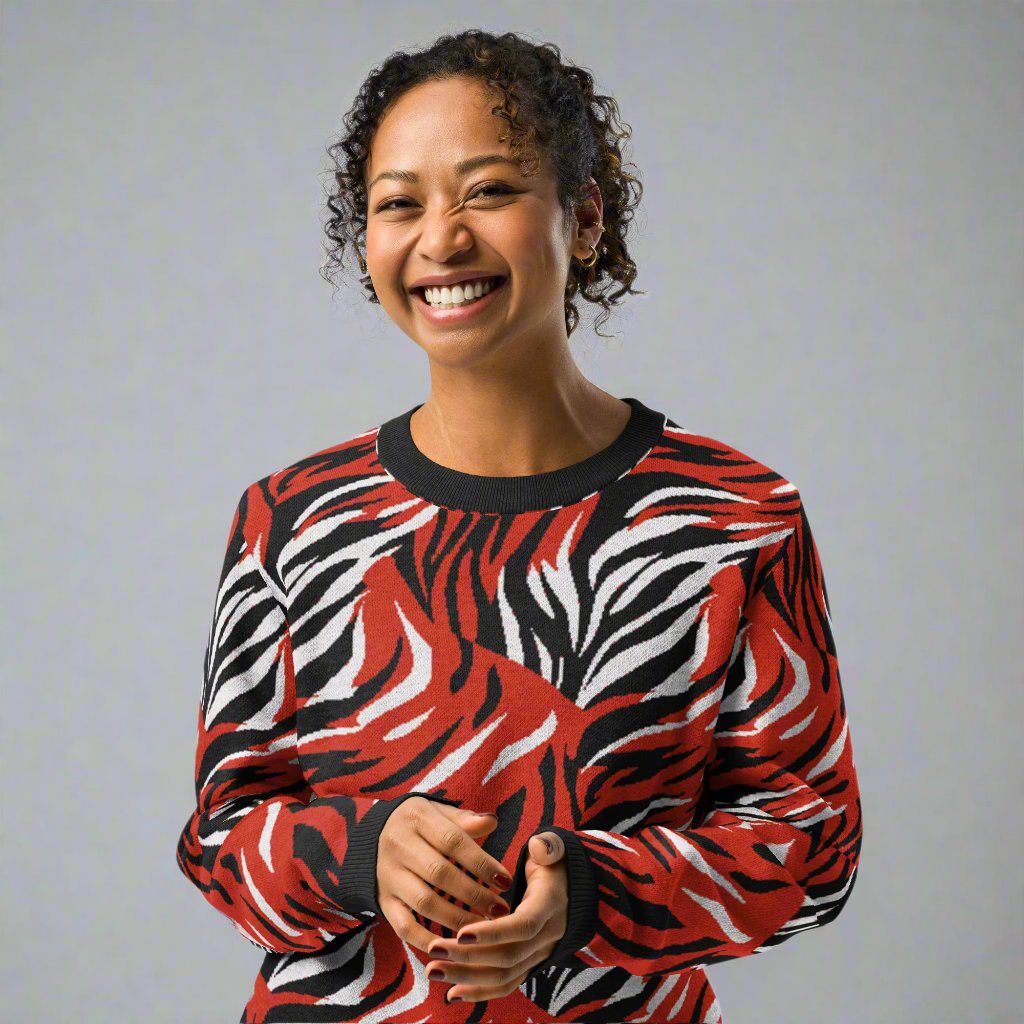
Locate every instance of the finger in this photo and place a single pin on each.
(436, 870)
(523, 924)
(405, 925)
(546, 847)
(526, 921)
(476, 989)
(423, 900)
(451, 839)
(475, 822)
(469, 960)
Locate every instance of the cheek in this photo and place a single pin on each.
(374, 256)
(381, 254)
(543, 258)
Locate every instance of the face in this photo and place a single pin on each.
(486, 220)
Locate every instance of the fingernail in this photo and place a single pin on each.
(503, 880)
(547, 844)
(498, 910)
(438, 954)
(467, 938)
(454, 999)
(435, 974)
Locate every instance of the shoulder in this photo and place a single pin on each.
(327, 467)
(279, 501)
(735, 472)
(729, 490)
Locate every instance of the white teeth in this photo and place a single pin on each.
(460, 294)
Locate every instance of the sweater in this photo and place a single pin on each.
(634, 651)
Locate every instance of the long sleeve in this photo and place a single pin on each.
(291, 870)
(778, 851)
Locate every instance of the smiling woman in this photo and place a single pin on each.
(525, 637)
(474, 103)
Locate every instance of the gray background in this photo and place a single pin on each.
(831, 239)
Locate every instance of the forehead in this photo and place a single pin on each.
(434, 125)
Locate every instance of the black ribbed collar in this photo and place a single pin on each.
(470, 492)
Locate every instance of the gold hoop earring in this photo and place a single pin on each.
(590, 261)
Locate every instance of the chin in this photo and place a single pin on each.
(457, 353)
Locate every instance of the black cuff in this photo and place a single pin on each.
(357, 887)
(582, 915)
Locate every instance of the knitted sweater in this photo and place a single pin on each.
(634, 651)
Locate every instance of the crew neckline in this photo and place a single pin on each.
(471, 492)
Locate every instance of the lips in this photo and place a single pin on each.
(453, 315)
(498, 279)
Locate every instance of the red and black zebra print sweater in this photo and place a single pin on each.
(634, 651)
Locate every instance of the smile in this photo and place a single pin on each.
(457, 314)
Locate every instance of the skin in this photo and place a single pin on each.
(506, 949)
(506, 396)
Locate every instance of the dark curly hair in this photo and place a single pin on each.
(547, 103)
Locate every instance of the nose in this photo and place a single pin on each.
(443, 237)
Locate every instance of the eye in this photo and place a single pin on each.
(390, 204)
(497, 188)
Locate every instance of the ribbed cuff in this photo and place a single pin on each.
(582, 914)
(358, 882)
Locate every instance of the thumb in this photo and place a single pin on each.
(546, 847)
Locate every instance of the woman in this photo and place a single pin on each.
(523, 597)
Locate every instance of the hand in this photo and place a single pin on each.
(507, 949)
(415, 852)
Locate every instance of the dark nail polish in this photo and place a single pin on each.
(547, 844)
(455, 999)
(438, 954)
(502, 880)
(467, 938)
(435, 974)
(498, 910)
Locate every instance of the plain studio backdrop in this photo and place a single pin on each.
(831, 241)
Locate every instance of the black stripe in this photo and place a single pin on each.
(452, 488)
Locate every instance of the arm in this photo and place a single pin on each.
(289, 869)
(778, 852)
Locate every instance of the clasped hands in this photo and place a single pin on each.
(491, 959)
(428, 850)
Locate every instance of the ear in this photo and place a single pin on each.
(539, 849)
(595, 194)
(589, 216)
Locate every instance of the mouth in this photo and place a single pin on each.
(464, 311)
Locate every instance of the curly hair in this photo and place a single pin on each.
(547, 103)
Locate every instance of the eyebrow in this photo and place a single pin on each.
(463, 167)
